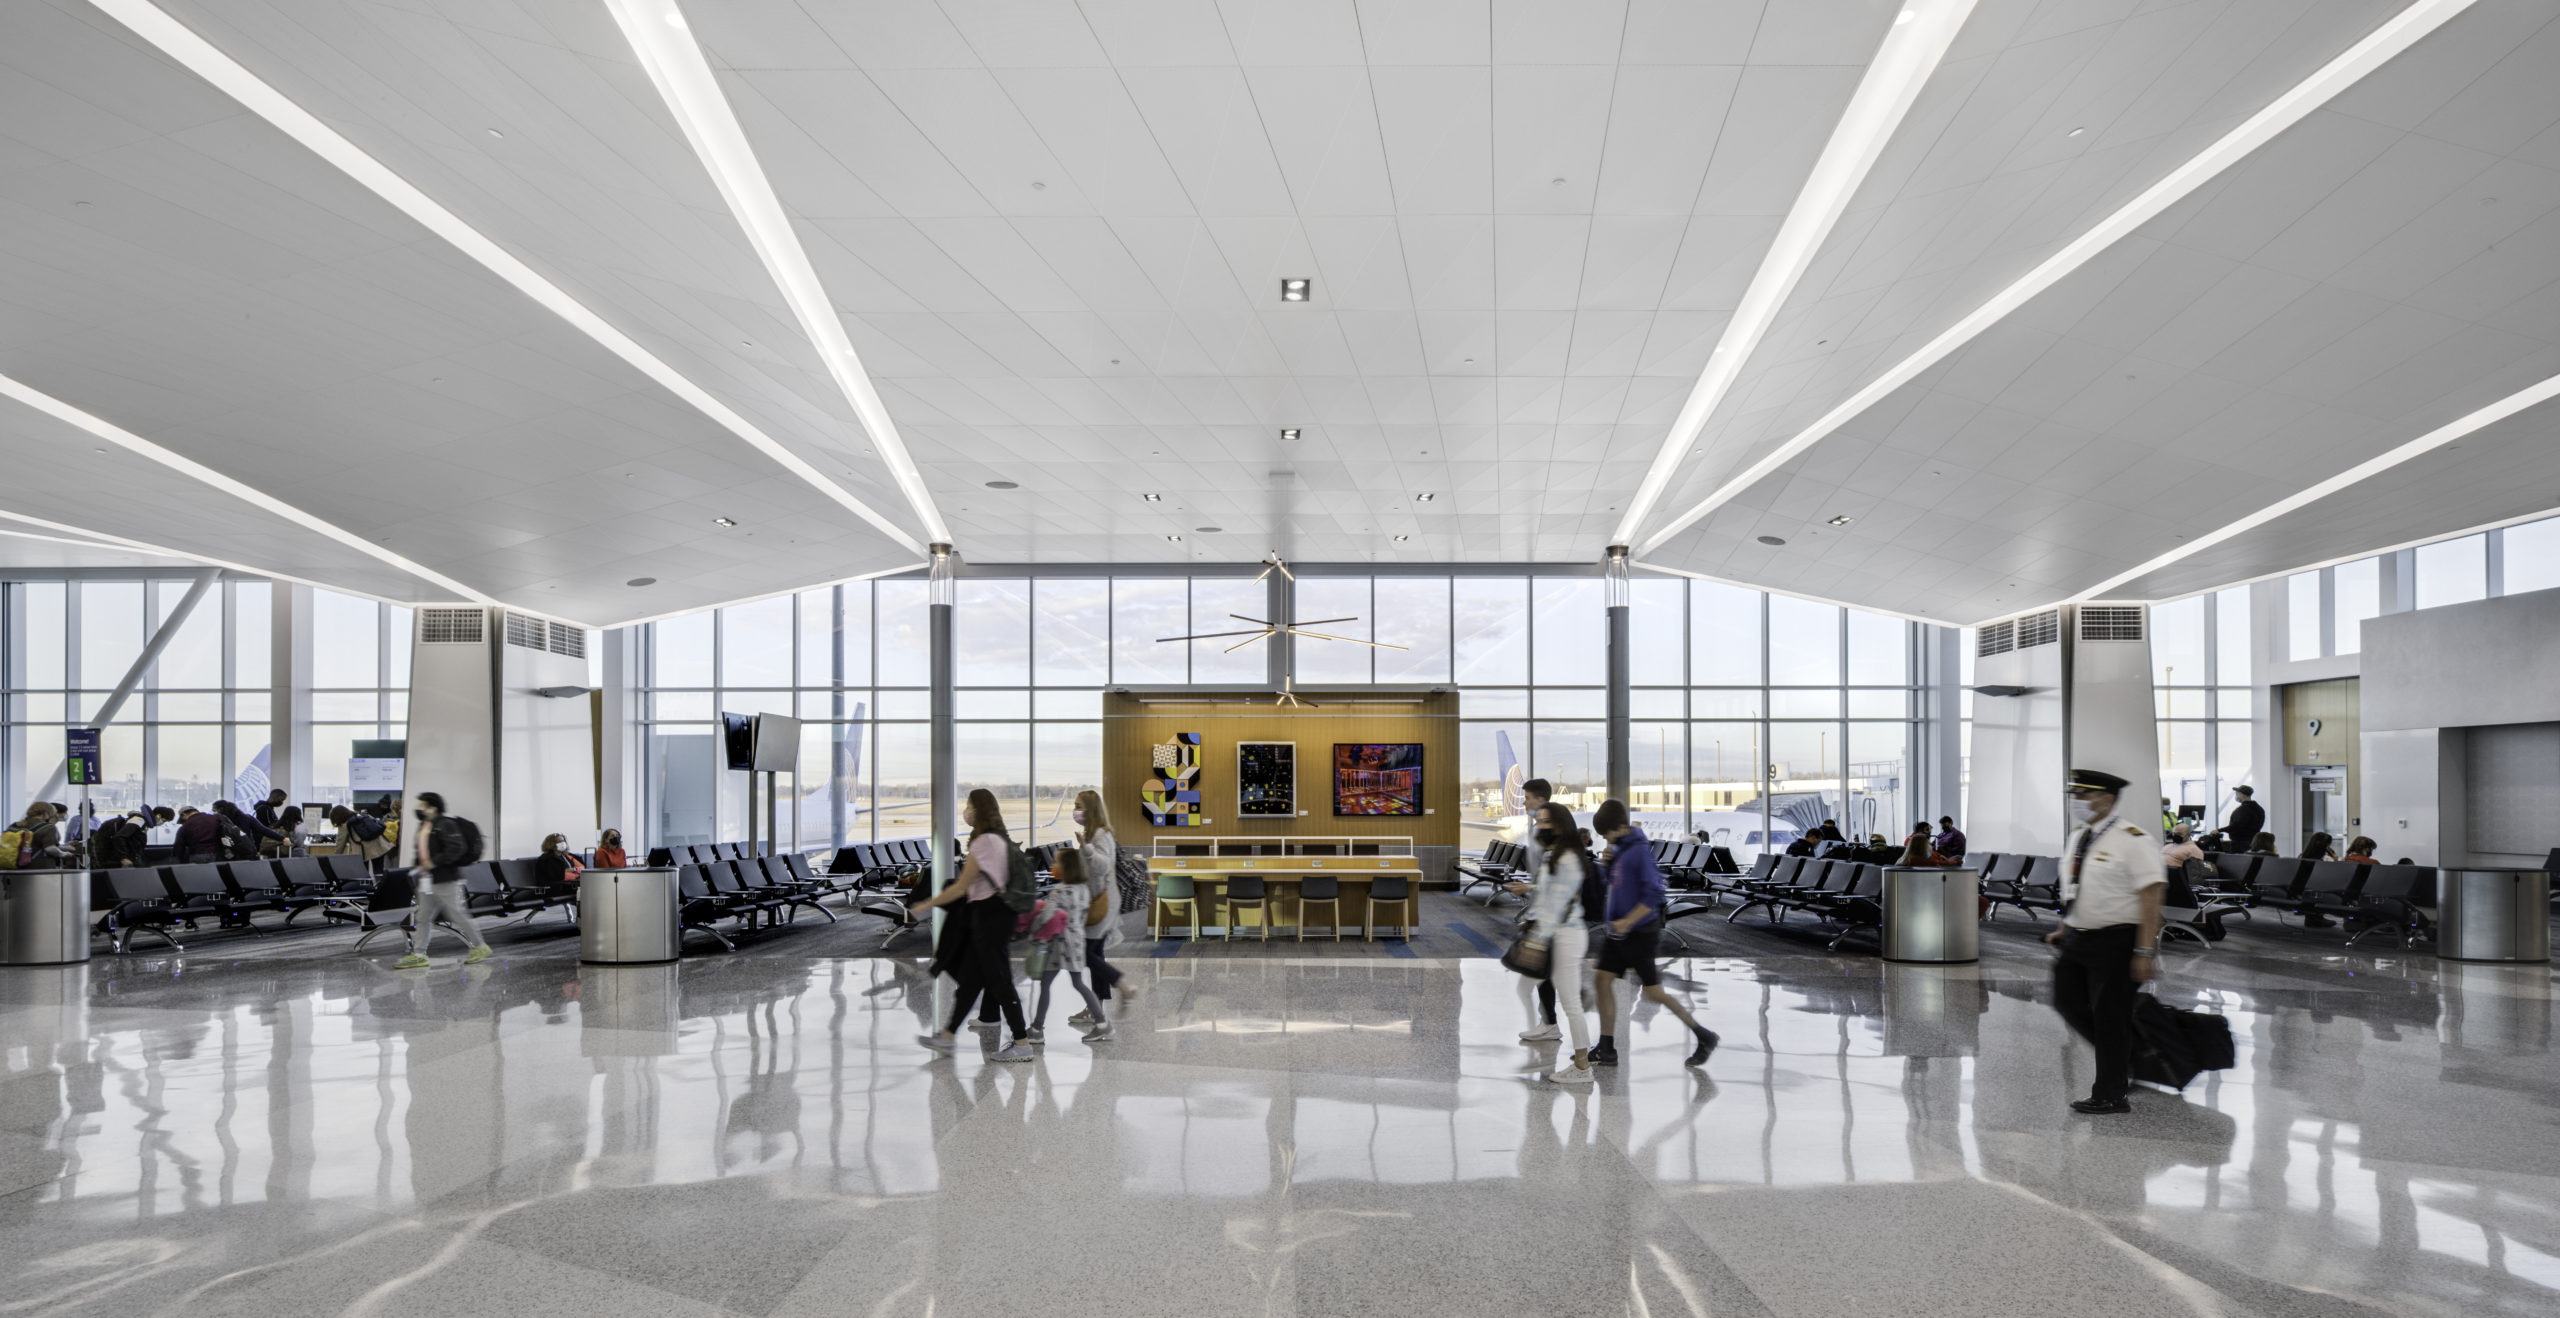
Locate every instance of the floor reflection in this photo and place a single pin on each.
(1281, 1135)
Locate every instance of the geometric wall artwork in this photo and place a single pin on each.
(1171, 797)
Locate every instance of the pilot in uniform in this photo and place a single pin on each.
(2112, 883)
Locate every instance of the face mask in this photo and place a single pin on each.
(2083, 812)
(422, 816)
(1546, 837)
(1079, 819)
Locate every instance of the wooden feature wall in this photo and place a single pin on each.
(1132, 724)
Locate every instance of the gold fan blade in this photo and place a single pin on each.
(1375, 645)
(1210, 636)
(1265, 632)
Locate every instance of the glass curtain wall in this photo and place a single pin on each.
(1755, 716)
(201, 715)
(2200, 675)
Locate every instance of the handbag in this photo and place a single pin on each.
(1527, 955)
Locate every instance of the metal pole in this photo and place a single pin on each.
(942, 589)
(133, 676)
(1620, 666)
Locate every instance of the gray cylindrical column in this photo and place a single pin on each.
(1621, 665)
(628, 917)
(2493, 915)
(44, 917)
(1932, 914)
(942, 591)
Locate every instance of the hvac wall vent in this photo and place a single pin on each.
(568, 640)
(2040, 629)
(531, 633)
(1995, 638)
(452, 627)
(2110, 622)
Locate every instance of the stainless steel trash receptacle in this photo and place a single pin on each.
(1932, 913)
(2493, 915)
(628, 916)
(44, 917)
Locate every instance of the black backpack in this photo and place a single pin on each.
(470, 839)
(364, 828)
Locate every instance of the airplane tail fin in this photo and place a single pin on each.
(1513, 802)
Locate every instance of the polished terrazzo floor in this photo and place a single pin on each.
(284, 1128)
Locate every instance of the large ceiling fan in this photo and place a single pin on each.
(1263, 629)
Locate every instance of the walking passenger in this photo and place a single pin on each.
(1057, 940)
(2112, 885)
(1632, 932)
(975, 939)
(1563, 905)
(1101, 862)
(444, 847)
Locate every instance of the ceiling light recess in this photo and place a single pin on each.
(180, 43)
(1903, 62)
(1297, 290)
(1840, 521)
(1425, 497)
(1152, 498)
(723, 521)
(2395, 35)
(1289, 434)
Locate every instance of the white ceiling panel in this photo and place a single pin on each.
(1055, 234)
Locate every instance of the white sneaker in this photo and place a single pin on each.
(1542, 1034)
(1081, 1020)
(1098, 1033)
(1017, 1051)
(1572, 1075)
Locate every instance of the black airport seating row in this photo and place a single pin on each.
(704, 853)
(1844, 895)
(758, 893)
(233, 893)
(1686, 866)
(1501, 863)
(2363, 898)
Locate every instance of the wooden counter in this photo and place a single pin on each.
(1281, 876)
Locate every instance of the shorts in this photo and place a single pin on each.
(1632, 954)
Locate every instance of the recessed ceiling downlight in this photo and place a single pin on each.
(1208, 530)
(1773, 540)
(1004, 485)
(723, 521)
(641, 581)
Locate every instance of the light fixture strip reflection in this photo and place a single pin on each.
(180, 43)
(664, 42)
(2395, 35)
(1903, 62)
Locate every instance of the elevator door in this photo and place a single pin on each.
(2324, 808)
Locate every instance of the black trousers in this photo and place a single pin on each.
(984, 966)
(2093, 989)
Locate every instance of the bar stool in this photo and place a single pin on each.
(1248, 890)
(1389, 888)
(1171, 890)
(1320, 888)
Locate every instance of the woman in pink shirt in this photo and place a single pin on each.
(976, 939)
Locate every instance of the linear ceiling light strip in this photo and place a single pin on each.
(1909, 54)
(180, 43)
(2362, 471)
(2395, 35)
(191, 556)
(238, 489)
(659, 35)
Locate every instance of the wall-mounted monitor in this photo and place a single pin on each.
(1267, 779)
(1377, 778)
(777, 743)
(738, 738)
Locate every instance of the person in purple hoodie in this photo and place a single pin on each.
(1632, 930)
